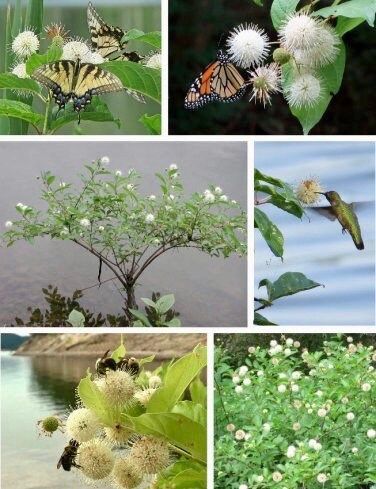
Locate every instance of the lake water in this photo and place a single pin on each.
(32, 388)
(144, 15)
(208, 291)
(316, 246)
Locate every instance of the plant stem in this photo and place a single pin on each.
(184, 453)
(46, 114)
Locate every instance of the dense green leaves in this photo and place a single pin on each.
(280, 10)
(19, 110)
(353, 9)
(8, 80)
(288, 283)
(270, 232)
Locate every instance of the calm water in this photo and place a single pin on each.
(317, 247)
(31, 388)
(208, 291)
(144, 15)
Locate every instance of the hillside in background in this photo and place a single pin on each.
(10, 341)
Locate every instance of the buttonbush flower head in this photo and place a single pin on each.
(155, 381)
(259, 478)
(223, 198)
(238, 389)
(291, 451)
(300, 31)
(248, 45)
(281, 56)
(273, 343)
(149, 218)
(117, 387)
(218, 191)
(247, 381)
(77, 50)
(143, 396)
(101, 229)
(49, 425)
(243, 486)
(20, 70)
(95, 459)
(126, 474)
(25, 44)
(295, 388)
(56, 32)
(354, 450)
(8, 224)
(236, 379)
(304, 91)
(306, 191)
(105, 160)
(118, 434)
(150, 454)
(371, 433)
(155, 61)
(266, 427)
(239, 435)
(296, 344)
(230, 427)
(209, 197)
(322, 413)
(322, 478)
(296, 426)
(324, 52)
(82, 425)
(265, 81)
(85, 222)
(277, 476)
(366, 387)
(243, 370)
(350, 416)
(296, 375)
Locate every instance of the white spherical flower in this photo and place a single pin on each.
(310, 411)
(117, 387)
(366, 387)
(238, 389)
(319, 393)
(247, 436)
(101, 229)
(239, 435)
(349, 339)
(277, 476)
(126, 474)
(117, 435)
(295, 388)
(322, 413)
(77, 51)
(354, 450)
(236, 379)
(247, 381)
(20, 70)
(350, 416)
(82, 425)
(243, 370)
(151, 455)
(300, 31)
(155, 61)
(25, 44)
(230, 427)
(289, 342)
(155, 381)
(218, 191)
(209, 197)
(260, 373)
(371, 433)
(105, 160)
(173, 167)
(143, 396)
(317, 447)
(273, 343)
(95, 459)
(296, 426)
(324, 52)
(296, 344)
(94, 58)
(291, 451)
(8, 224)
(259, 478)
(281, 388)
(344, 400)
(297, 404)
(312, 443)
(275, 361)
(149, 218)
(118, 173)
(223, 198)
(247, 45)
(322, 478)
(287, 352)
(304, 91)
(85, 222)
(266, 427)
(243, 486)
(152, 197)
(296, 375)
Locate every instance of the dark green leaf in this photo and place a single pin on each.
(8, 80)
(165, 303)
(141, 317)
(261, 320)
(344, 24)
(19, 110)
(365, 9)
(152, 38)
(270, 232)
(288, 284)
(34, 15)
(137, 77)
(267, 178)
(152, 123)
(280, 10)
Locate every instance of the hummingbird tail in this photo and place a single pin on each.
(360, 245)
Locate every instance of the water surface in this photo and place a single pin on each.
(316, 246)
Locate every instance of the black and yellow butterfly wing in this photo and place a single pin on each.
(107, 39)
(72, 80)
(219, 81)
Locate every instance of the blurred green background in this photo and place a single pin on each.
(135, 14)
(195, 29)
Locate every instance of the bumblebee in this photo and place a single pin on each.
(130, 365)
(68, 457)
(105, 363)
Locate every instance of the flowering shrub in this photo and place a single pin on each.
(126, 231)
(293, 418)
(25, 57)
(137, 429)
(306, 60)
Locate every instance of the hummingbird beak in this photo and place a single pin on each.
(321, 193)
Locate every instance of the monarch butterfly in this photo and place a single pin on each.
(219, 81)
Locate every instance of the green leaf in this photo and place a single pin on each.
(137, 77)
(53, 53)
(280, 10)
(76, 319)
(8, 80)
(288, 283)
(365, 9)
(177, 379)
(145, 360)
(152, 123)
(173, 323)
(119, 352)
(177, 429)
(148, 302)
(152, 38)
(34, 15)
(260, 320)
(330, 77)
(193, 411)
(344, 24)
(259, 3)
(93, 399)
(19, 110)
(198, 391)
(270, 232)
(268, 179)
(165, 303)
(141, 317)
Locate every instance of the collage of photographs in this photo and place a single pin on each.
(187, 244)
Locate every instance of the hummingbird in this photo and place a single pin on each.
(345, 214)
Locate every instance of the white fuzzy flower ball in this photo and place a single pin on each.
(259, 478)
(155, 381)
(152, 197)
(289, 342)
(126, 474)
(150, 454)
(324, 52)
(85, 222)
(266, 427)
(105, 160)
(118, 434)
(8, 224)
(287, 352)
(273, 343)
(354, 450)
(94, 58)
(247, 381)
(95, 459)
(25, 44)
(281, 388)
(295, 388)
(296, 426)
(218, 191)
(371, 433)
(350, 416)
(291, 451)
(322, 478)
(20, 70)
(296, 344)
(236, 379)
(345, 400)
(312, 443)
(239, 435)
(277, 476)
(300, 31)
(248, 45)
(304, 91)
(296, 375)
(149, 218)
(238, 389)
(209, 197)
(77, 51)
(117, 387)
(322, 413)
(317, 447)
(82, 425)
(173, 167)
(230, 427)
(366, 387)
(243, 486)
(223, 198)
(118, 173)
(101, 229)
(143, 396)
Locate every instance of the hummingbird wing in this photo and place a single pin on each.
(326, 211)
